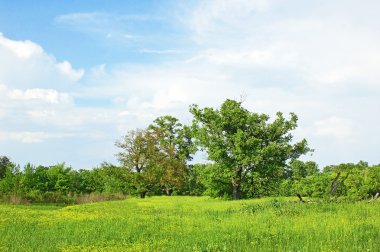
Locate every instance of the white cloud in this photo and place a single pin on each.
(26, 64)
(83, 18)
(97, 18)
(22, 49)
(66, 69)
(44, 95)
(249, 57)
(29, 137)
(335, 51)
(2, 87)
(40, 114)
(209, 16)
(105, 25)
(168, 51)
(334, 126)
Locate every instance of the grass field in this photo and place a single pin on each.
(192, 224)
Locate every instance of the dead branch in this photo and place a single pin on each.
(335, 183)
(299, 196)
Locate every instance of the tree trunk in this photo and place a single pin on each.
(168, 192)
(236, 184)
(335, 184)
(299, 196)
(142, 195)
(236, 191)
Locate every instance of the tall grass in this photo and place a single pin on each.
(192, 224)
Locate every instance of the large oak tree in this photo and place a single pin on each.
(246, 143)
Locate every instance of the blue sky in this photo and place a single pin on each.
(76, 75)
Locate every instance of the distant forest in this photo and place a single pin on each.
(250, 155)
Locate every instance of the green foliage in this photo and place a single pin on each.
(61, 184)
(216, 182)
(113, 179)
(298, 169)
(10, 176)
(5, 162)
(363, 182)
(354, 182)
(194, 184)
(316, 185)
(175, 139)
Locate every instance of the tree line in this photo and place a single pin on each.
(250, 155)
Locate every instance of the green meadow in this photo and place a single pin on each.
(192, 224)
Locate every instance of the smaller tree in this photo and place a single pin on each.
(175, 147)
(114, 179)
(4, 163)
(299, 169)
(139, 157)
(194, 184)
(157, 155)
(10, 182)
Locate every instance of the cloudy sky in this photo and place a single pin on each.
(77, 75)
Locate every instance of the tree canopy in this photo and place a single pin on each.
(244, 142)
